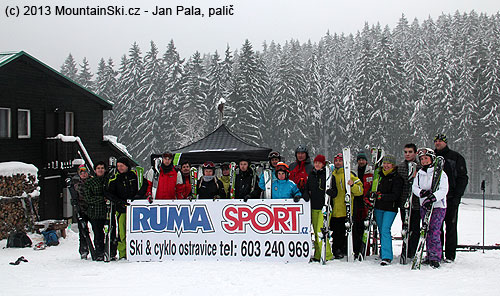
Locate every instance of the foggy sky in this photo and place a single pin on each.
(52, 38)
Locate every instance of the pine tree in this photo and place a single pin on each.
(150, 129)
(131, 105)
(85, 76)
(69, 69)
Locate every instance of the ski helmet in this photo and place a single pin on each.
(302, 148)
(426, 151)
(208, 165)
(282, 167)
(274, 154)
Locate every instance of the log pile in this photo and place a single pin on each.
(18, 210)
(17, 184)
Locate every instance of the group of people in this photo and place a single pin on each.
(300, 179)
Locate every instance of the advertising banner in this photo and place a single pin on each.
(276, 230)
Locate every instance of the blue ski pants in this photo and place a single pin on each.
(384, 223)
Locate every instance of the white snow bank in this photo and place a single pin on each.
(11, 168)
(114, 140)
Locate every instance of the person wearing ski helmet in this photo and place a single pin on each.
(282, 187)
(410, 155)
(314, 190)
(388, 197)
(209, 186)
(124, 186)
(183, 185)
(274, 157)
(301, 167)
(339, 213)
(429, 200)
(167, 179)
(456, 169)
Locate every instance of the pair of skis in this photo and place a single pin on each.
(110, 230)
(369, 223)
(346, 153)
(193, 180)
(232, 179)
(268, 180)
(405, 232)
(436, 178)
(325, 233)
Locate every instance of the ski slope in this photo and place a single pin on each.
(60, 271)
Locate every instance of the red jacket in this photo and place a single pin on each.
(299, 172)
(166, 184)
(183, 186)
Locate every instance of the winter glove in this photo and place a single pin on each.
(296, 198)
(150, 199)
(74, 202)
(190, 197)
(425, 193)
(330, 192)
(428, 202)
(216, 197)
(379, 195)
(246, 197)
(367, 202)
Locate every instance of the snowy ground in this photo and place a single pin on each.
(59, 271)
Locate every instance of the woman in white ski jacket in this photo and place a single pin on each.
(431, 200)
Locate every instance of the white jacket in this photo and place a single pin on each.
(423, 181)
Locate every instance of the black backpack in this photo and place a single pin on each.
(18, 240)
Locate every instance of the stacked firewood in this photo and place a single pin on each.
(17, 214)
(17, 185)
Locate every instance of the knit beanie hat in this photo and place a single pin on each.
(390, 159)
(361, 155)
(124, 160)
(320, 158)
(339, 155)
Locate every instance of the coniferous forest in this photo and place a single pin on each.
(379, 87)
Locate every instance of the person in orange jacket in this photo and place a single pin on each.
(167, 179)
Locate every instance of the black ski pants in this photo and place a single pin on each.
(84, 248)
(337, 225)
(414, 230)
(450, 235)
(98, 229)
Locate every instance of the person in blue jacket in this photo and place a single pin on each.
(281, 187)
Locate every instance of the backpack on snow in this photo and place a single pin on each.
(18, 239)
(50, 237)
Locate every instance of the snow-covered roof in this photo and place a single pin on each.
(114, 141)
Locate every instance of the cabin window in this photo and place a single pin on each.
(4, 122)
(23, 123)
(69, 124)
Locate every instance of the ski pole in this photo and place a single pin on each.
(483, 186)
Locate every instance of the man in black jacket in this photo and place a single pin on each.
(124, 186)
(456, 170)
